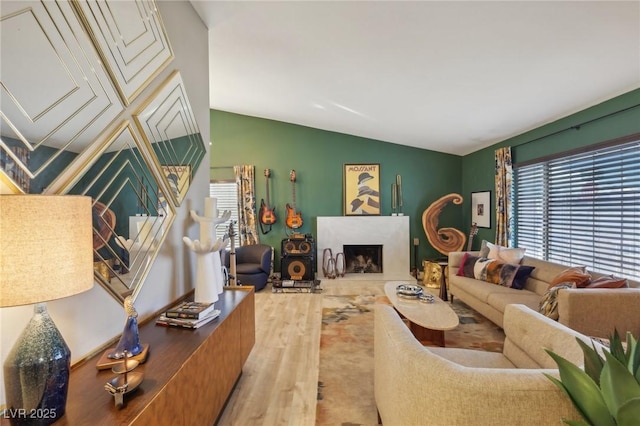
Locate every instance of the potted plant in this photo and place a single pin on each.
(607, 391)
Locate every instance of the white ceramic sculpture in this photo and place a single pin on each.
(209, 277)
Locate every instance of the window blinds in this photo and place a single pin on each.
(583, 209)
(226, 193)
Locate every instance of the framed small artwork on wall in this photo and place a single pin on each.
(481, 209)
(361, 189)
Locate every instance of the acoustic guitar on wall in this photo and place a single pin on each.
(267, 213)
(472, 233)
(294, 218)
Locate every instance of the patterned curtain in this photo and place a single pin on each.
(504, 217)
(247, 226)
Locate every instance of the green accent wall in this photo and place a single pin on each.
(617, 117)
(318, 157)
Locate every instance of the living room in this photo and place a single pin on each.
(92, 319)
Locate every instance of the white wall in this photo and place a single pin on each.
(90, 319)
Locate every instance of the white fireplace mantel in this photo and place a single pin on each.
(390, 231)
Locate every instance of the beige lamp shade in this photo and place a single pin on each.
(46, 247)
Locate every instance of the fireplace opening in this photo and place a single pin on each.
(361, 258)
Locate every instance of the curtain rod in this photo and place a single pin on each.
(578, 126)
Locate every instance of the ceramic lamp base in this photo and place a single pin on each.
(36, 373)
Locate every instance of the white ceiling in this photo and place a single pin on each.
(449, 76)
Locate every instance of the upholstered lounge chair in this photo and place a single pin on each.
(253, 265)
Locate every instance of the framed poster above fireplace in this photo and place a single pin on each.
(361, 189)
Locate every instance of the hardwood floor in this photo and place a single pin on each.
(279, 381)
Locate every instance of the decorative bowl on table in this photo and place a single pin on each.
(408, 290)
(426, 298)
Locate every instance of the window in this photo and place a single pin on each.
(226, 193)
(583, 208)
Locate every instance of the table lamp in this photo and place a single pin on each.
(46, 253)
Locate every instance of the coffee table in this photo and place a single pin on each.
(427, 321)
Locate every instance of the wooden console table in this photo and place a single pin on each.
(188, 375)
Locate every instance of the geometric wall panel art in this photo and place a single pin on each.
(131, 40)
(129, 221)
(55, 95)
(168, 126)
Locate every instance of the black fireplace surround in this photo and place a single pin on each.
(363, 258)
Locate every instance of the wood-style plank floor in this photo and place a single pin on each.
(279, 383)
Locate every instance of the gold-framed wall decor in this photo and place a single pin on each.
(361, 189)
(56, 97)
(169, 128)
(130, 38)
(129, 223)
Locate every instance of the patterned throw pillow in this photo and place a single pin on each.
(549, 302)
(576, 274)
(497, 272)
(494, 271)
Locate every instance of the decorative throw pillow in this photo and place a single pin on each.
(549, 302)
(608, 282)
(522, 275)
(467, 265)
(505, 254)
(480, 268)
(576, 274)
(501, 273)
(484, 249)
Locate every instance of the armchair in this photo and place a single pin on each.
(253, 264)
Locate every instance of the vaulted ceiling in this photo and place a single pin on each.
(450, 76)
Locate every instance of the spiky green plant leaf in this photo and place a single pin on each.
(559, 384)
(593, 362)
(617, 384)
(633, 355)
(616, 348)
(585, 394)
(629, 413)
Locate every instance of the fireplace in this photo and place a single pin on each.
(390, 233)
(363, 258)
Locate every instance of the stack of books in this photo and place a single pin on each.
(188, 315)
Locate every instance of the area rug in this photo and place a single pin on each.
(345, 386)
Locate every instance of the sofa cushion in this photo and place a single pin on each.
(479, 289)
(545, 271)
(576, 274)
(472, 357)
(499, 300)
(608, 282)
(549, 302)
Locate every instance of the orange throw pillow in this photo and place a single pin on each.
(576, 275)
(609, 282)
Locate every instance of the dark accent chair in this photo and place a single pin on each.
(253, 264)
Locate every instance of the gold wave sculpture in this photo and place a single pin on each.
(445, 240)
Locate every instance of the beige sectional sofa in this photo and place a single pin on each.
(418, 385)
(593, 312)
